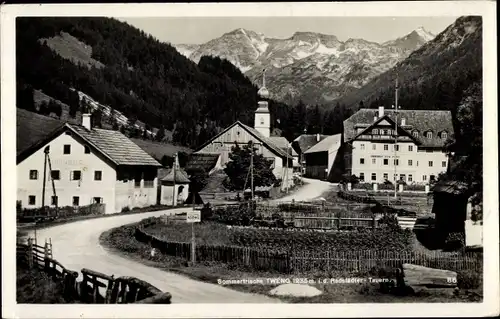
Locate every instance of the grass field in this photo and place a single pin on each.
(121, 240)
(34, 286)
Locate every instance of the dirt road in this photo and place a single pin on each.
(76, 246)
(313, 189)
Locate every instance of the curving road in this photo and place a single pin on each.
(313, 189)
(76, 246)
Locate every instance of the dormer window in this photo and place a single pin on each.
(428, 134)
(415, 133)
(444, 135)
(375, 131)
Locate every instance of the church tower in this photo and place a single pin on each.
(262, 115)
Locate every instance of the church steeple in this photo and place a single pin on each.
(262, 115)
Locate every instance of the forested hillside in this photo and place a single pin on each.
(135, 74)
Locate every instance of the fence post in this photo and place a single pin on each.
(29, 253)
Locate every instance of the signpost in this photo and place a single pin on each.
(193, 217)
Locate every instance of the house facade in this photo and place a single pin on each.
(416, 154)
(84, 165)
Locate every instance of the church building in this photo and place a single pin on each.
(282, 156)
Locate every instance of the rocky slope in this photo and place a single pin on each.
(311, 66)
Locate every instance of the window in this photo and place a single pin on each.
(417, 163)
(375, 131)
(362, 177)
(444, 135)
(361, 161)
(386, 161)
(386, 147)
(76, 175)
(402, 177)
(362, 146)
(396, 162)
(261, 121)
(428, 134)
(98, 176)
(76, 201)
(410, 148)
(396, 148)
(374, 161)
(374, 176)
(424, 177)
(374, 147)
(87, 149)
(54, 200)
(410, 162)
(433, 178)
(33, 174)
(430, 163)
(67, 149)
(395, 177)
(415, 133)
(32, 200)
(55, 175)
(443, 163)
(386, 132)
(386, 176)
(97, 200)
(410, 178)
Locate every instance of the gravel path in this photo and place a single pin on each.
(76, 246)
(313, 189)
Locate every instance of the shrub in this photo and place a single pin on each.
(467, 279)
(125, 209)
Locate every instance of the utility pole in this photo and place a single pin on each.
(251, 173)
(396, 107)
(174, 170)
(286, 172)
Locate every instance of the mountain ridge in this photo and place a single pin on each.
(330, 67)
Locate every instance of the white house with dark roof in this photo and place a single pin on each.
(272, 148)
(418, 156)
(89, 165)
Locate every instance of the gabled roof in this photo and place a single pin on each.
(32, 129)
(421, 120)
(167, 175)
(386, 119)
(266, 141)
(306, 141)
(205, 161)
(159, 149)
(330, 142)
(283, 143)
(120, 150)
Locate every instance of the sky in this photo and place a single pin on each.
(197, 30)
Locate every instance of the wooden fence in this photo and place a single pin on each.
(298, 262)
(60, 212)
(95, 287)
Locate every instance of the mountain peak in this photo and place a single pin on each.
(424, 34)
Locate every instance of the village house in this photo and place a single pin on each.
(324, 158)
(418, 156)
(85, 165)
(281, 156)
(304, 142)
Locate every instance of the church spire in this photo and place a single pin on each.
(263, 92)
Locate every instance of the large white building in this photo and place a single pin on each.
(416, 154)
(89, 165)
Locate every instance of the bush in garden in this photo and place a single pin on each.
(468, 279)
(454, 241)
(389, 221)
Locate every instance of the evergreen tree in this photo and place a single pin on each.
(239, 165)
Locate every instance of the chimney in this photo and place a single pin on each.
(380, 111)
(375, 118)
(403, 121)
(317, 137)
(86, 122)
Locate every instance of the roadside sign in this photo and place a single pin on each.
(193, 217)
